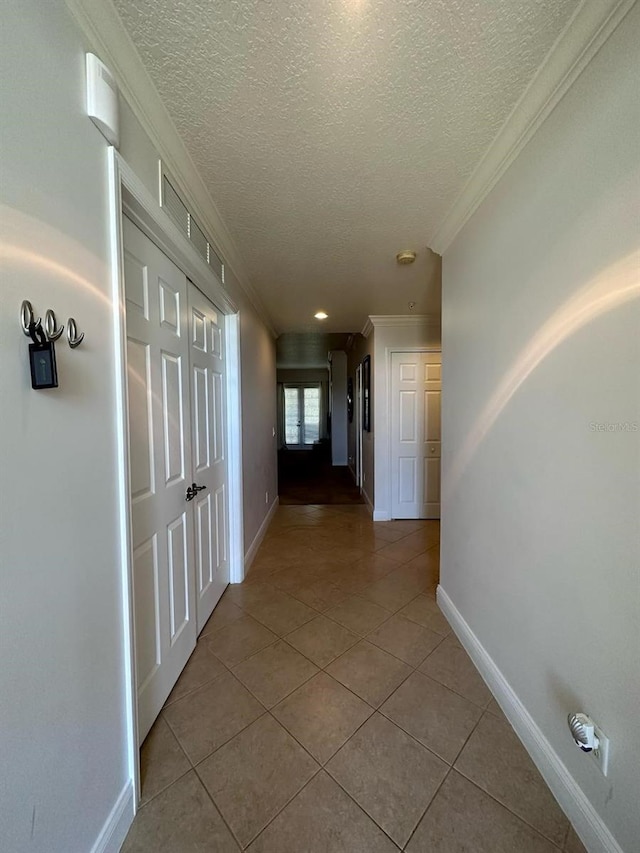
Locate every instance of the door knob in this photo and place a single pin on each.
(193, 490)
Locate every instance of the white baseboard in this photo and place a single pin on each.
(252, 550)
(593, 832)
(367, 500)
(380, 514)
(117, 824)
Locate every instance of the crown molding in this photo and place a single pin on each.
(367, 328)
(588, 29)
(101, 24)
(385, 320)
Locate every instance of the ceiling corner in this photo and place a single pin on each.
(587, 30)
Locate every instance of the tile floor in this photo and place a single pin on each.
(328, 708)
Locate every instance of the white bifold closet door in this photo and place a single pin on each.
(176, 393)
(415, 434)
(209, 456)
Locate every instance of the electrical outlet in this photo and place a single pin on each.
(601, 754)
(266, 497)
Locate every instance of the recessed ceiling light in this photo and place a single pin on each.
(321, 315)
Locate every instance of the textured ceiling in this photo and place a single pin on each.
(334, 133)
(294, 350)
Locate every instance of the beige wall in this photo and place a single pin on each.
(259, 422)
(361, 347)
(540, 548)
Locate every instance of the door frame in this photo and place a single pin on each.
(321, 415)
(127, 194)
(357, 402)
(389, 398)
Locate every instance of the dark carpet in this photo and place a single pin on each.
(308, 477)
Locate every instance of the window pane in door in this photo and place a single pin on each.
(311, 415)
(291, 416)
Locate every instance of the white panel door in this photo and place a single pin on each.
(160, 454)
(415, 434)
(209, 452)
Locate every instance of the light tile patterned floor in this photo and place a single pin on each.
(328, 708)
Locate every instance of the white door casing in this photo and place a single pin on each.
(131, 198)
(415, 434)
(160, 463)
(209, 452)
(357, 412)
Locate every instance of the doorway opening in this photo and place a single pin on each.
(301, 416)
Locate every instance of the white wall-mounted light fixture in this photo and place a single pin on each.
(102, 99)
(321, 315)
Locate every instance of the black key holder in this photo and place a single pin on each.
(42, 357)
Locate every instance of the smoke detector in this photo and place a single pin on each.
(407, 257)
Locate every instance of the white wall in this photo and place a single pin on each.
(540, 548)
(62, 721)
(62, 703)
(391, 333)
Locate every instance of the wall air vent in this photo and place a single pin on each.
(171, 201)
(200, 242)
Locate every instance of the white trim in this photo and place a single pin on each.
(590, 827)
(368, 502)
(588, 29)
(382, 320)
(234, 451)
(367, 328)
(108, 37)
(378, 514)
(122, 437)
(117, 824)
(129, 195)
(252, 550)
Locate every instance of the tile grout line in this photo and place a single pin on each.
(222, 817)
(510, 810)
(166, 787)
(362, 809)
(415, 740)
(448, 773)
(429, 804)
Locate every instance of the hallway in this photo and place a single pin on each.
(328, 708)
(308, 477)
